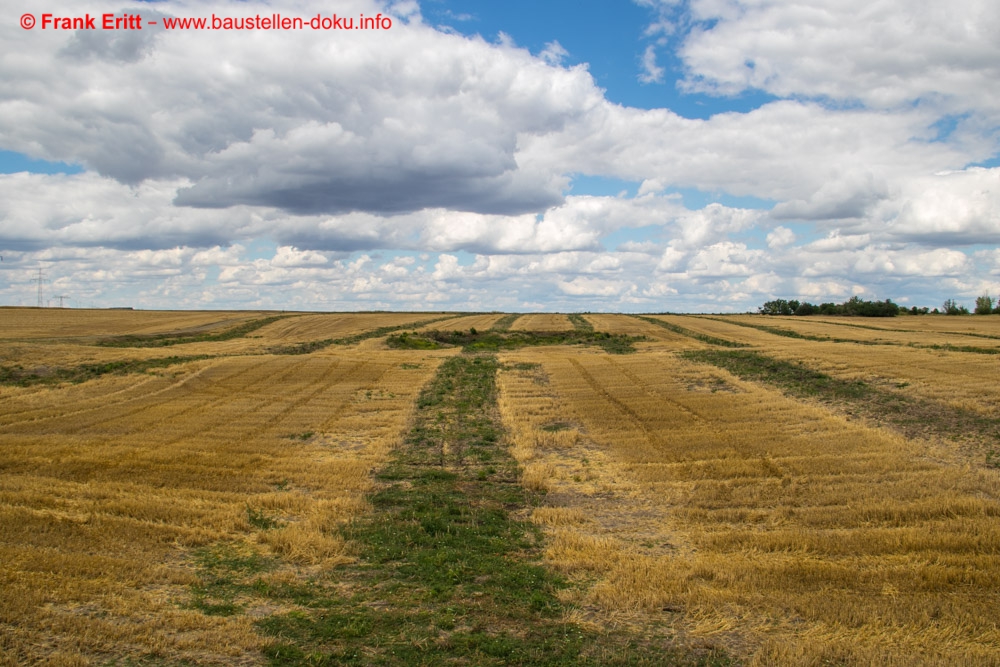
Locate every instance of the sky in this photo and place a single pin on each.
(471, 155)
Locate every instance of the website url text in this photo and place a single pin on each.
(273, 22)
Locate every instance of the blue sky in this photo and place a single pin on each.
(12, 162)
(652, 155)
(608, 37)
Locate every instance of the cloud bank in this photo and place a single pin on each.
(416, 167)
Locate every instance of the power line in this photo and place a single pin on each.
(40, 279)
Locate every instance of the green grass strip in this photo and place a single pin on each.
(705, 338)
(787, 333)
(973, 334)
(494, 341)
(23, 377)
(505, 322)
(446, 574)
(166, 340)
(795, 378)
(302, 348)
(580, 323)
(316, 345)
(385, 331)
(913, 416)
(947, 347)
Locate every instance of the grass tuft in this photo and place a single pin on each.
(992, 458)
(228, 576)
(260, 520)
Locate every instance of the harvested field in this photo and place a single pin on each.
(713, 327)
(118, 494)
(985, 337)
(542, 322)
(976, 325)
(734, 512)
(632, 326)
(334, 325)
(47, 323)
(478, 322)
(959, 379)
(228, 488)
(59, 355)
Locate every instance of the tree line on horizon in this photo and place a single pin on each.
(858, 307)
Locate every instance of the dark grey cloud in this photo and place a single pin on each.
(389, 193)
(854, 195)
(301, 121)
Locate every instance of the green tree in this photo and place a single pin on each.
(829, 308)
(951, 307)
(984, 305)
(777, 307)
(805, 308)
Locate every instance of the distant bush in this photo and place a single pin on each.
(411, 341)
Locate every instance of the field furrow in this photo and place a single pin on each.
(215, 386)
(242, 417)
(26, 405)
